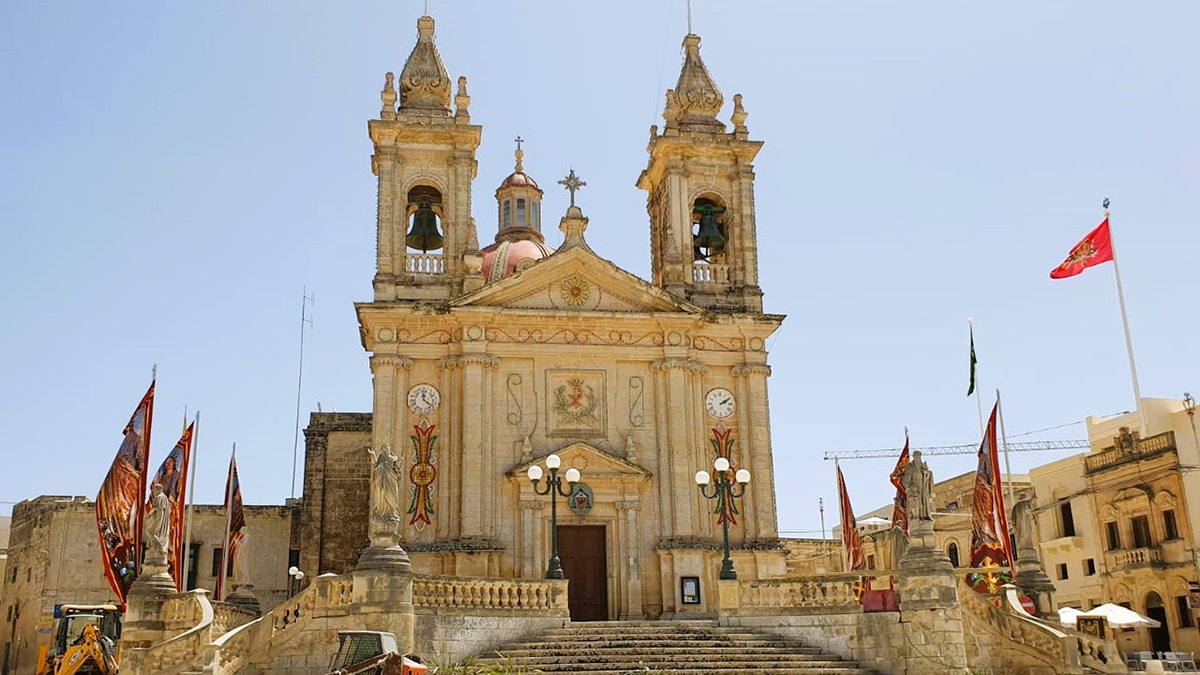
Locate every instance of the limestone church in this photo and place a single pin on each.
(488, 356)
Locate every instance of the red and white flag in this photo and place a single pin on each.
(1093, 249)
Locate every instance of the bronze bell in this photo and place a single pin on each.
(709, 237)
(424, 233)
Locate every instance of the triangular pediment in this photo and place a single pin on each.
(593, 463)
(576, 280)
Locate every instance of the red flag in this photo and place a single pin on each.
(235, 519)
(990, 544)
(853, 558)
(119, 504)
(900, 503)
(1093, 249)
(172, 475)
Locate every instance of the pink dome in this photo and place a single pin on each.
(504, 257)
(518, 179)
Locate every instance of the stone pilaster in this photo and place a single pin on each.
(474, 395)
(631, 548)
(532, 566)
(678, 450)
(754, 422)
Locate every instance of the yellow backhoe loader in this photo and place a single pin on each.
(86, 640)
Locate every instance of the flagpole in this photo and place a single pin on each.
(1137, 394)
(187, 530)
(974, 378)
(1004, 444)
(220, 585)
(140, 518)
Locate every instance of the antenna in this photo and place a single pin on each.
(305, 319)
(689, 10)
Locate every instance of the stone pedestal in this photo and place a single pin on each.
(389, 559)
(929, 611)
(1032, 581)
(144, 624)
(383, 602)
(243, 596)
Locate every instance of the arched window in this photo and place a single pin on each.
(952, 553)
(708, 229)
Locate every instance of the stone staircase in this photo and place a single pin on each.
(631, 647)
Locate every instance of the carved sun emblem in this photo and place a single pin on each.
(574, 290)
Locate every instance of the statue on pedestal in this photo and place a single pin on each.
(918, 484)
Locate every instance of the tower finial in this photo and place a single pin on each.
(689, 10)
(520, 154)
(572, 183)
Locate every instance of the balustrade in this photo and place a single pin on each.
(704, 273)
(424, 263)
(514, 594)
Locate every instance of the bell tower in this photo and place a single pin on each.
(427, 248)
(700, 185)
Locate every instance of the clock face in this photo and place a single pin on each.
(719, 403)
(423, 399)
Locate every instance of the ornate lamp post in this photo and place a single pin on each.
(723, 489)
(553, 488)
(1189, 406)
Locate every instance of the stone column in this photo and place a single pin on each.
(676, 454)
(389, 398)
(631, 549)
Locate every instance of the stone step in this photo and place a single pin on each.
(696, 646)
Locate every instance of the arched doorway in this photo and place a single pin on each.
(1160, 638)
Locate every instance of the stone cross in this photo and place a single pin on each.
(572, 183)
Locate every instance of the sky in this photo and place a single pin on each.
(176, 177)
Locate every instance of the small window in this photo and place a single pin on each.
(520, 213)
(218, 555)
(870, 562)
(1062, 571)
(952, 553)
(1183, 607)
(952, 506)
(536, 215)
(1089, 567)
(506, 214)
(1170, 529)
(1114, 535)
(1141, 531)
(1068, 520)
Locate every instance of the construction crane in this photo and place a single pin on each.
(1027, 446)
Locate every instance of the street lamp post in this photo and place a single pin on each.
(723, 489)
(1189, 406)
(553, 488)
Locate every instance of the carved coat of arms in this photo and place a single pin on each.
(577, 402)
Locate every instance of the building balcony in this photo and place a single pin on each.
(1062, 545)
(1133, 557)
(1129, 449)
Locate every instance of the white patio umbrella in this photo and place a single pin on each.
(1066, 615)
(1120, 617)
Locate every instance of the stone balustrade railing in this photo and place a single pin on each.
(703, 273)
(424, 263)
(827, 593)
(180, 653)
(1142, 448)
(1134, 557)
(540, 595)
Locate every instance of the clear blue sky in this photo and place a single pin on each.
(173, 175)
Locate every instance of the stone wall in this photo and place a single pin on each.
(337, 471)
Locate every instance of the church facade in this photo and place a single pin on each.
(488, 357)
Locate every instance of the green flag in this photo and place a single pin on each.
(971, 387)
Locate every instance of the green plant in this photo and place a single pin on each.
(504, 666)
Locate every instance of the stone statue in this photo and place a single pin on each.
(385, 489)
(918, 484)
(158, 523)
(1022, 520)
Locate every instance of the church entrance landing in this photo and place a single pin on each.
(584, 557)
